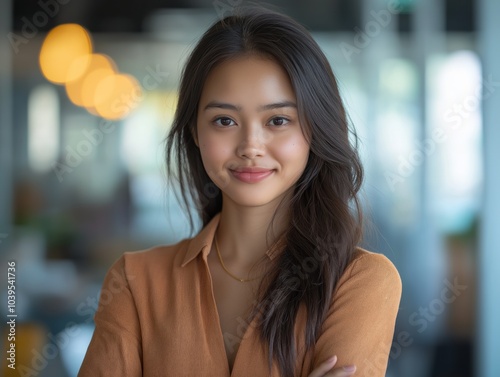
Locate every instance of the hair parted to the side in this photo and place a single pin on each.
(325, 215)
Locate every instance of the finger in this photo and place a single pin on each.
(324, 367)
(346, 371)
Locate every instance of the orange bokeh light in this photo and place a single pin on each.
(82, 91)
(64, 53)
(91, 80)
(116, 96)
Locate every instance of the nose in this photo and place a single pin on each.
(253, 141)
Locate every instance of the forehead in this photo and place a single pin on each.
(247, 77)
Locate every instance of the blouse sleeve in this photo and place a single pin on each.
(360, 323)
(115, 348)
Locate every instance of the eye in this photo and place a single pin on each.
(279, 121)
(225, 121)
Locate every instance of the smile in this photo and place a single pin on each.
(248, 177)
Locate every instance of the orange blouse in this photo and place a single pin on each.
(157, 317)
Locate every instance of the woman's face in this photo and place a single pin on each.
(247, 117)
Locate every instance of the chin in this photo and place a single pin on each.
(252, 199)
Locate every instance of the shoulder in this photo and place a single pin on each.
(365, 261)
(149, 272)
(373, 270)
(156, 258)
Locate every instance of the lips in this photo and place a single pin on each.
(251, 175)
(251, 170)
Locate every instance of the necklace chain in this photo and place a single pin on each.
(224, 266)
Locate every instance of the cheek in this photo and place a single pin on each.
(294, 149)
(215, 154)
(213, 150)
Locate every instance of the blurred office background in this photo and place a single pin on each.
(420, 79)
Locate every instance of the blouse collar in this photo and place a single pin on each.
(201, 243)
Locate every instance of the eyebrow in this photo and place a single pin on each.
(228, 106)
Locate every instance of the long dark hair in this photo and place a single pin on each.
(325, 215)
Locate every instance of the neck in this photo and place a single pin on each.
(242, 234)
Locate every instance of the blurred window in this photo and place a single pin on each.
(455, 94)
(43, 128)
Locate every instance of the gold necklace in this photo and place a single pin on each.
(224, 266)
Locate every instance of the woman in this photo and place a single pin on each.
(274, 284)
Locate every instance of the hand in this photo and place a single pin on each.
(325, 369)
